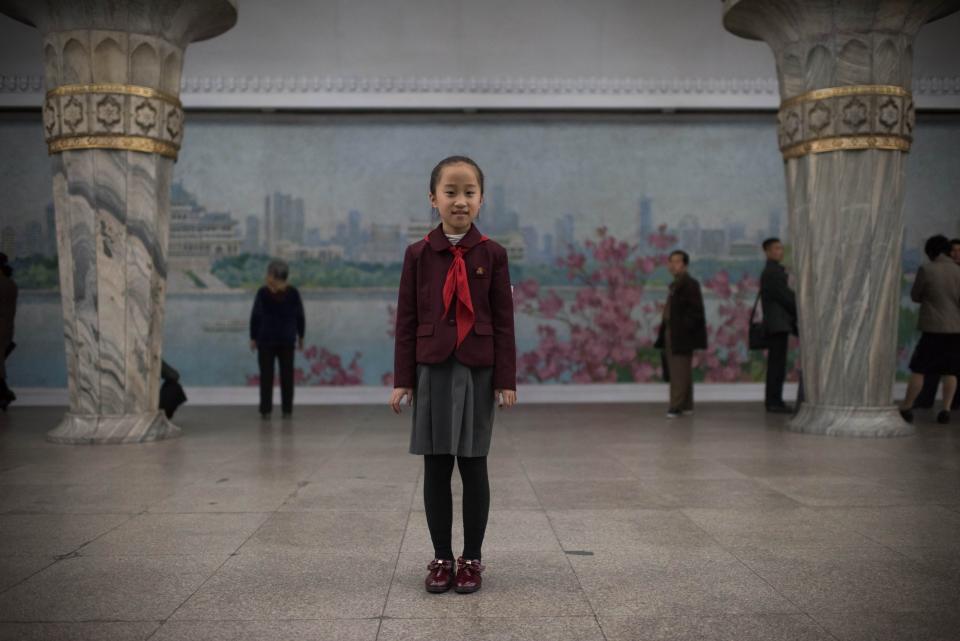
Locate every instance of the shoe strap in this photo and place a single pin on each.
(472, 564)
(436, 564)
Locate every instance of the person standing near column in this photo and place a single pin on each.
(8, 310)
(455, 356)
(779, 322)
(684, 329)
(937, 289)
(277, 324)
(927, 397)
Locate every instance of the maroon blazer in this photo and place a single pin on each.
(424, 336)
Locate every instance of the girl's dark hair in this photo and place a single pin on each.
(936, 245)
(453, 160)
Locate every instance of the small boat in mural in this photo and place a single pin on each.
(228, 325)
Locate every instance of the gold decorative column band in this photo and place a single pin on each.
(128, 143)
(850, 90)
(129, 90)
(112, 116)
(846, 118)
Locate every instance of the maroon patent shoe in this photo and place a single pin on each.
(440, 577)
(468, 576)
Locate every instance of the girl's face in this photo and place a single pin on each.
(457, 198)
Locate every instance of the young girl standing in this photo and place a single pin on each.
(455, 356)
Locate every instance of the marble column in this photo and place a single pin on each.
(845, 126)
(113, 123)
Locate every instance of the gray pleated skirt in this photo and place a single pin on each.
(453, 409)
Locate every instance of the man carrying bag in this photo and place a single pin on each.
(779, 322)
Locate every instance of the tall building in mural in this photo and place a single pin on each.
(50, 229)
(774, 224)
(8, 241)
(199, 237)
(251, 238)
(644, 221)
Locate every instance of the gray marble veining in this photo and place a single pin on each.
(845, 155)
(112, 159)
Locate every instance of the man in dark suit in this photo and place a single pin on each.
(779, 322)
(684, 329)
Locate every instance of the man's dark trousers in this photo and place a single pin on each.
(776, 368)
(266, 354)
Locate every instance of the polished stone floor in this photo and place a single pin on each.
(608, 522)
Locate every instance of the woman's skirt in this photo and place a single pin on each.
(453, 409)
(936, 354)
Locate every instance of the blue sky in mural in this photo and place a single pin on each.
(594, 169)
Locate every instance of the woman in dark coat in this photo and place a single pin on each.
(277, 323)
(684, 329)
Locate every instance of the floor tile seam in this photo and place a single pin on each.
(77, 551)
(47, 621)
(583, 593)
(447, 617)
(866, 535)
(800, 501)
(820, 626)
(709, 535)
(53, 561)
(811, 546)
(799, 610)
(396, 565)
(813, 621)
(22, 513)
(867, 611)
(338, 510)
(219, 567)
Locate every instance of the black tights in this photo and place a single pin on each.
(438, 502)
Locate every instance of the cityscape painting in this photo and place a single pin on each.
(588, 207)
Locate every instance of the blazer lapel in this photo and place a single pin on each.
(438, 240)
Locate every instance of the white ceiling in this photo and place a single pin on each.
(483, 54)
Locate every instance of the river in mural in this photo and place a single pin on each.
(588, 207)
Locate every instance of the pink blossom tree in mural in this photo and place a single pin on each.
(727, 359)
(600, 329)
(323, 368)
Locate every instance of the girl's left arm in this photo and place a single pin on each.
(501, 309)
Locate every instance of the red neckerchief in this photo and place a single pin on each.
(457, 285)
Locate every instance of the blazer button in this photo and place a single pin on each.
(451, 321)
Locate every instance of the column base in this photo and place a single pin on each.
(91, 429)
(865, 422)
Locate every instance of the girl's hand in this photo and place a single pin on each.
(506, 397)
(253, 346)
(396, 398)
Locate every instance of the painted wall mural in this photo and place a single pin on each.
(588, 207)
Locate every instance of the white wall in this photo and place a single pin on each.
(374, 54)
